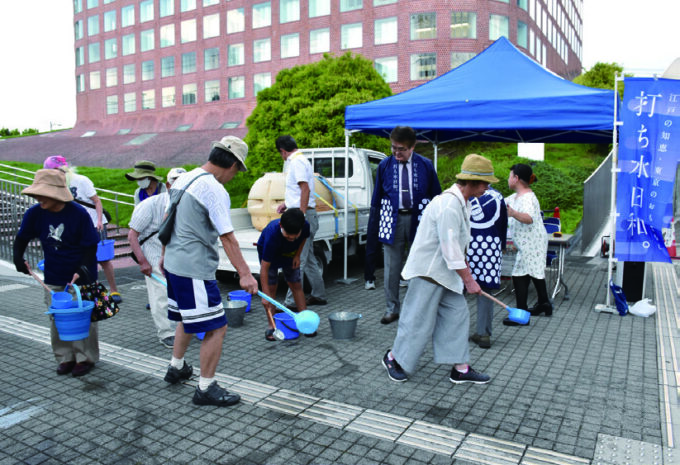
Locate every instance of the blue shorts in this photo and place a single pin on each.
(292, 275)
(196, 303)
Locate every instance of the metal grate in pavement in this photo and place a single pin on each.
(332, 413)
(481, 449)
(434, 438)
(536, 456)
(380, 424)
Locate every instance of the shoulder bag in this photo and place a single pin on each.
(168, 224)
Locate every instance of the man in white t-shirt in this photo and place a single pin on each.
(84, 193)
(300, 194)
(190, 263)
(144, 224)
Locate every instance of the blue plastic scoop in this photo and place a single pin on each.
(514, 314)
(306, 321)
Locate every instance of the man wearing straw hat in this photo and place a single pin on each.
(148, 182)
(69, 241)
(435, 308)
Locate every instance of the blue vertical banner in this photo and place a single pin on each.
(649, 150)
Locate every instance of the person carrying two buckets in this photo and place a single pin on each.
(69, 242)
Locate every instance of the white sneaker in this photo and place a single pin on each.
(403, 283)
(369, 285)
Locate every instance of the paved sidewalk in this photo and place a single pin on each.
(577, 388)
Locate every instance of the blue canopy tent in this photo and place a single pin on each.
(500, 95)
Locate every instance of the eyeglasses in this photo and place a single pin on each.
(399, 149)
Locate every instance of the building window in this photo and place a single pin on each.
(290, 45)
(383, 2)
(110, 21)
(167, 66)
(189, 94)
(320, 40)
(146, 40)
(498, 26)
(111, 104)
(458, 58)
(80, 56)
(95, 80)
(78, 29)
(108, 1)
(261, 81)
(93, 25)
(127, 16)
(128, 44)
(148, 99)
(168, 97)
(522, 34)
(92, 4)
(167, 35)
(387, 68)
(110, 48)
(319, 8)
(187, 5)
(188, 62)
(289, 11)
(522, 4)
(129, 73)
(351, 36)
(211, 26)
(129, 102)
(423, 66)
(111, 77)
(236, 21)
(262, 50)
(212, 91)
(93, 55)
(385, 30)
(147, 70)
(349, 5)
(237, 87)
(188, 31)
(463, 25)
(211, 58)
(262, 15)
(423, 26)
(146, 11)
(77, 6)
(235, 55)
(80, 83)
(166, 7)
(210, 2)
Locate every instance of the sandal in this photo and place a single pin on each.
(269, 335)
(115, 296)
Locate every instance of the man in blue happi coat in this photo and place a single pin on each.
(404, 184)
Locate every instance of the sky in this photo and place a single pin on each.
(37, 43)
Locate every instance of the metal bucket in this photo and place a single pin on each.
(235, 311)
(343, 324)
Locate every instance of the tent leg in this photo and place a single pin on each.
(345, 279)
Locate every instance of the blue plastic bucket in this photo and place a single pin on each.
(241, 295)
(286, 324)
(73, 324)
(105, 250)
(41, 265)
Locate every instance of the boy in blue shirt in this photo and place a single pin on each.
(279, 247)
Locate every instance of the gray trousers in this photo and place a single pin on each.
(85, 350)
(394, 257)
(484, 314)
(158, 301)
(309, 264)
(432, 313)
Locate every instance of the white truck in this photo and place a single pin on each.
(329, 163)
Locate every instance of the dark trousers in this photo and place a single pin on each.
(521, 284)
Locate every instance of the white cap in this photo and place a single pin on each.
(174, 173)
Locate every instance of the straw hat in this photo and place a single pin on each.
(49, 183)
(477, 168)
(236, 146)
(143, 169)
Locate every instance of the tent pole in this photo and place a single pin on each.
(344, 279)
(607, 307)
(434, 144)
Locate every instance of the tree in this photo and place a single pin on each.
(601, 76)
(308, 102)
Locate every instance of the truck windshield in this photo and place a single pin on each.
(324, 166)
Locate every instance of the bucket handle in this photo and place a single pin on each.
(295, 330)
(80, 299)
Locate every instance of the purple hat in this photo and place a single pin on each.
(54, 162)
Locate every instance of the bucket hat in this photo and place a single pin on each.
(143, 169)
(477, 168)
(49, 183)
(54, 162)
(174, 173)
(236, 146)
